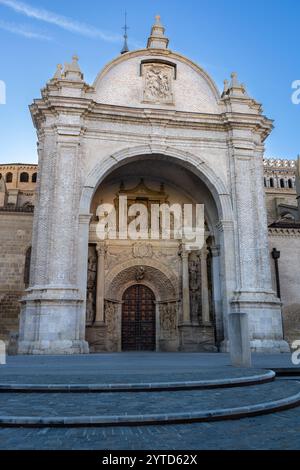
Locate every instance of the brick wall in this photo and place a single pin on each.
(15, 239)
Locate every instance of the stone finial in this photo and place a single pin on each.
(72, 71)
(234, 88)
(58, 73)
(234, 80)
(157, 39)
(226, 87)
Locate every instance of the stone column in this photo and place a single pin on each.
(101, 251)
(52, 315)
(185, 287)
(216, 290)
(204, 287)
(254, 294)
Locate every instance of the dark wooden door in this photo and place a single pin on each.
(138, 319)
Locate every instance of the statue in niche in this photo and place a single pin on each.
(91, 286)
(195, 286)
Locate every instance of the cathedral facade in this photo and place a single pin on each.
(154, 129)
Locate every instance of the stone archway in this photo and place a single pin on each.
(159, 280)
(224, 273)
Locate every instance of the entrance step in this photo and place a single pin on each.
(225, 377)
(144, 408)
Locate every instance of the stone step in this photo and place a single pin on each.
(118, 409)
(134, 383)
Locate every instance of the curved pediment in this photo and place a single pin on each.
(154, 78)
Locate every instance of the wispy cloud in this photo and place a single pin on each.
(60, 21)
(22, 30)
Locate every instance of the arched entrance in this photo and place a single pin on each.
(138, 319)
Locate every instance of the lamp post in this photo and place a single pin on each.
(276, 257)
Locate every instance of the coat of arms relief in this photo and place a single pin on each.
(158, 84)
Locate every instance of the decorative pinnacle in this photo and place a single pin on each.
(125, 46)
(157, 39)
(58, 73)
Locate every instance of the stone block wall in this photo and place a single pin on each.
(15, 239)
(287, 241)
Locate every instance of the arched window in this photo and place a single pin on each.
(271, 182)
(9, 177)
(282, 185)
(34, 178)
(27, 267)
(290, 183)
(24, 178)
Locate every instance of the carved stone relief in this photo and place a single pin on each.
(91, 286)
(158, 84)
(168, 320)
(142, 250)
(111, 320)
(195, 286)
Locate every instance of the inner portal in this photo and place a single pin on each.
(138, 319)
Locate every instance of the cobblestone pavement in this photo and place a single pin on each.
(95, 404)
(276, 431)
(8, 376)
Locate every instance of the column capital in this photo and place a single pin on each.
(215, 250)
(84, 219)
(101, 249)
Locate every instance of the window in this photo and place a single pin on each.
(34, 178)
(9, 177)
(282, 185)
(265, 182)
(24, 178)
(290, 183)
(271, 183)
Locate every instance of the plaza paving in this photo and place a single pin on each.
(280, 430)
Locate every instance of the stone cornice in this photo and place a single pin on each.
(89, 110)
(284, 232)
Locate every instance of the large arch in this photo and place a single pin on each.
(224, 259)
(186, 159)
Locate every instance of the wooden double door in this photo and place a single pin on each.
(138, 319)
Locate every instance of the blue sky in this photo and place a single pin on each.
(257, 38)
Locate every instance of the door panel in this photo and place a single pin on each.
(138, 319)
